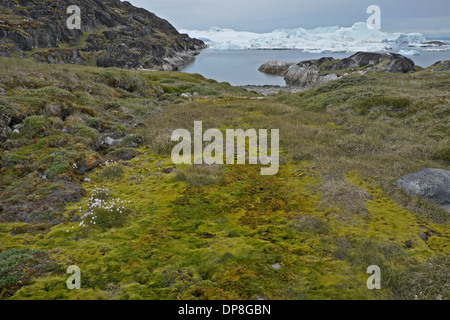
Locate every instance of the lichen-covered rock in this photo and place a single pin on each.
(433, 184)
(275, 67)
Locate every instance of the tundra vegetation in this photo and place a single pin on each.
(86, 179)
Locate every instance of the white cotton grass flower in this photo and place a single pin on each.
(98, 209)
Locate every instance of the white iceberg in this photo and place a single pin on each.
(333, 39)
(409, 53)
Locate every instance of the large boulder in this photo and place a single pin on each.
(433, 184)
(275, 67)
(306, 77)
(306, 74)
(391, 62)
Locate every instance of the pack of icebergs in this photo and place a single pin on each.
(323, 39)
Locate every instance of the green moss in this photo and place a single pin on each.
(394, 104)
(85, 132)
(39, 126)
(112, 172)
(202, 233)
(94, 122)
(442, 154)
(58, 166)
(200, 176)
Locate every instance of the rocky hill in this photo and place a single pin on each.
(113, 34)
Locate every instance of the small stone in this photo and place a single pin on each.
(408, 244)
(16, 131)
(423, 236)
(276, 266)
(87, 180)
(169, 170)
(111, 141)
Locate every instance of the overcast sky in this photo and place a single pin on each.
(431, 17)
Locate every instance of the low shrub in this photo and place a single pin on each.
(201, 175)
(111, 172)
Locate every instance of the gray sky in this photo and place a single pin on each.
(431, 17)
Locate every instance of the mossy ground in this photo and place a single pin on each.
(331, 211)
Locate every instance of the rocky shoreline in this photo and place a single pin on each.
(312, 73)
(308, 74)
(272, 89)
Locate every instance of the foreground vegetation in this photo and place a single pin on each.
(141, 228)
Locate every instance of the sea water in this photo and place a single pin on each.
(240, 67)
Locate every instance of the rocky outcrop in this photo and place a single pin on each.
(433, 43)
(113, 33)
(391, 62)
(311, 73)
(306, 74)
(440, 66)
(433, 184)
(275, 67)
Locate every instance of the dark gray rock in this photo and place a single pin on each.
(433, 184)
(391, 62)
(122, 154)
(423, 236)
(434, 43)
(169, 170)
(315, 63)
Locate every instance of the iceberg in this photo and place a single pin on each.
(322, 39)
(409, 53)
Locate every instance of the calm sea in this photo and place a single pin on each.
(241, 67)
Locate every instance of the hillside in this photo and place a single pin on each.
(113, 34)
(74, 135)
